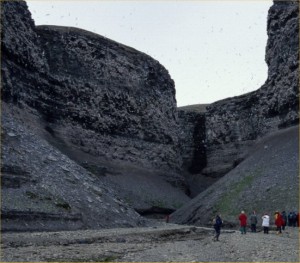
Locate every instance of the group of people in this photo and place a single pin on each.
(281, 220)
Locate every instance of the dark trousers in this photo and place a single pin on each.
(218, 232)
(279, 229)
(266, 230)
(243, 230)
(253, 227)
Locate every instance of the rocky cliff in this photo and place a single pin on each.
(266, 181)
(232, 125)
(251, 139)
(114, 92)
(100, 86)
(91, 130)
(92, 102)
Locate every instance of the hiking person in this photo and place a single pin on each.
(294, 219)
(253, 221)
(266, 223)
(284, 219)
(243, 222)
(278, 222)
(290, 219)
(217, 226)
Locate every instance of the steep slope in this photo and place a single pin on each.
(266, 181)
(43, 189)
(99, 110)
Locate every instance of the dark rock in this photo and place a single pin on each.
(192, 138)
(120, 240)
(91, 129)
(232, 125)
(155, 212)
(266, 181)
(38, 195)
(87, 72)
(30, 220)
(78, 111)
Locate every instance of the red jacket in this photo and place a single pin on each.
(243, 219)
(278, 220)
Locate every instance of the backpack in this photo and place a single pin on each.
(219, 221)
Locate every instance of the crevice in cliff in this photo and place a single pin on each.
(199, 137)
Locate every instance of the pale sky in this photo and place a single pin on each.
(212, 49)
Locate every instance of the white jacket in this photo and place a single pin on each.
(266, 221)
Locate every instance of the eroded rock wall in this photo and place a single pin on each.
(123, 100)
(232, 125)
(87, 99)
(266, 181)
(98, 88)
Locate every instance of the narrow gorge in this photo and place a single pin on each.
(92, 137)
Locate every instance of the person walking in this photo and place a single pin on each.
(284, 220)
(290, 219)
(253, 222)
(217, 226)
(266, 223)
(243, 222)
(294, 219)
(278, 222)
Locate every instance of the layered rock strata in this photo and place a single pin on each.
(107, 90)
(232, 125)
(261, 174)
(42, 189)
(106, 106)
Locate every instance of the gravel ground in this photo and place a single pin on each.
(164, 242)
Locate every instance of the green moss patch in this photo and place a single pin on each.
(226, 205)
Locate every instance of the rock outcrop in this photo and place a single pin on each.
(266, 181)
(115, 93)
(104, 109)
(42, 189)
(99, 85)
(252, 139)
(232, 125)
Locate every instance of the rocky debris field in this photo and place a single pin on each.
(161, 242)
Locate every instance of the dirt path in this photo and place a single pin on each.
(163, 243)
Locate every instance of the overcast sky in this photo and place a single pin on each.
(212, 49)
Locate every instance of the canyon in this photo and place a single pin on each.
(92, 137)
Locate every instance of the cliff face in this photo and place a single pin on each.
(266, 181)
(261, 174)
(108, 90)
(232, 125)
(19, 42)
(108, 107)
(122, 97)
